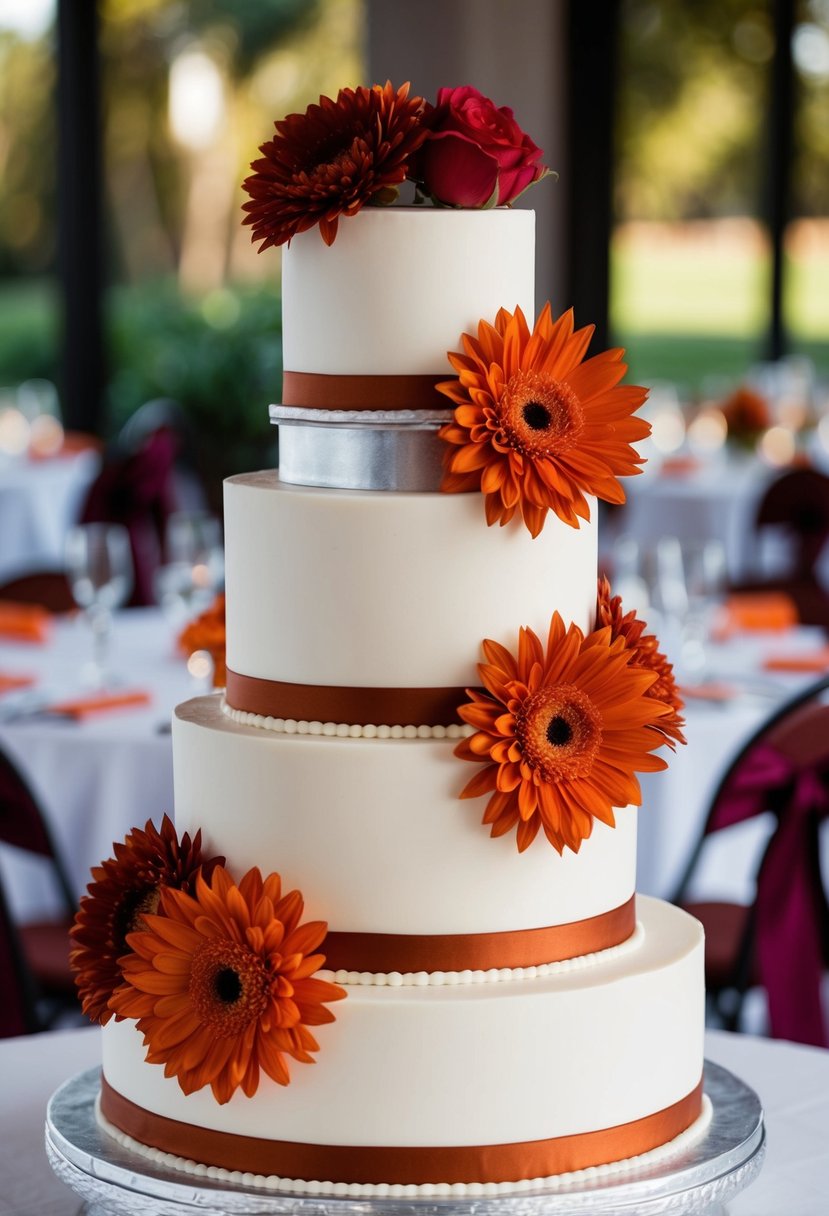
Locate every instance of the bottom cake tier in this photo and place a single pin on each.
(498, 1081)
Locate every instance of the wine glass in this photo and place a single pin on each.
(704, 564)
(100, 572)
(187, 584)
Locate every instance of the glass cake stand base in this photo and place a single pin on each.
(699, 1179)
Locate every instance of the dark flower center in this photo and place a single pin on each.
(130, 912)
(536, 416)
(228, 985)
(559, 731)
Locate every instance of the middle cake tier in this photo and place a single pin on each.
(351, 590)
(373, 833)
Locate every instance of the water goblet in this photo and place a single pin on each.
(100, 572)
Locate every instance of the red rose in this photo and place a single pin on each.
(476, 155)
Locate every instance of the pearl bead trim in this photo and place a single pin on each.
(385, 1190)
(344, 730)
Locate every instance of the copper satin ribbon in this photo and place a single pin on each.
(332, 703)
(479, 951)
(343, 1163)
(311, 390)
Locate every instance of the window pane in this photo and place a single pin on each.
(28, 138)
(190, 92)
(690, 257)
(807, 239)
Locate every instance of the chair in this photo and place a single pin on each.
(781, 941)
(136, 489)
(798, 503)
(44, 945)
(18, 1013)
(48, 588)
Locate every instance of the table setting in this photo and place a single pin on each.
(86, 698)
(45, 475)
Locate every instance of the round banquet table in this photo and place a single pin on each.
(792, 1081)
(97, 778)
(717, 501)
(40, 500)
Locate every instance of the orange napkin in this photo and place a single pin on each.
(712, 690)
(9, 682)
(755, 611)
(100, 703)
(805, 661)
(24, 622)
(679, 466)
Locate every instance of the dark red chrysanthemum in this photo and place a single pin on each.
(331, 161)
(124, 888)
(646, 653)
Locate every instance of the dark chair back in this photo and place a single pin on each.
(23, 826)
(17, 999)
(799, 502)
(39, 951)
(136, 490)
(48, 588)
(783, 940)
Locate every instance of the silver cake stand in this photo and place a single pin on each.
(701, 1179)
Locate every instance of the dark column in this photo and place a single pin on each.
(779, 162)
(80, 253)
(592, 37)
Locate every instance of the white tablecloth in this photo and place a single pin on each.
(39, 501)
(792, 1081)
(96, 779)
(675, 802)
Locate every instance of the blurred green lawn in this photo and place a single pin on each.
(686, 309)
(689, 310)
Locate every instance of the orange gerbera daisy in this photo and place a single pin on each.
(561, 734)
(221, 984)
(537, 427)
(646, 653)
(124, 889)
(331, 161)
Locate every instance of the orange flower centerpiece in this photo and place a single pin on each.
(125, 889)
(221, 984)
(747, 415)
(208, 632)
(561, 733)
(331, 161)
(645, 653)
(537, 427)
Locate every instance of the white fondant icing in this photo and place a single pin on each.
(383, 1190)
(366, 589)
(473, 1064)
(373, 833)
(400, 285)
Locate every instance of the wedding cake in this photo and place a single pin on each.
(413, 593)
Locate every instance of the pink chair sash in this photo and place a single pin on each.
(792, 915)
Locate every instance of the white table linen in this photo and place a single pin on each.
(98, 778)
(40, 500)
(792, 1081)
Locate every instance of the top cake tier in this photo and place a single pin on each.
(399, 286)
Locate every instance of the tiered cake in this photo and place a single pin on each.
(504, 1014)
(508, 1015)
